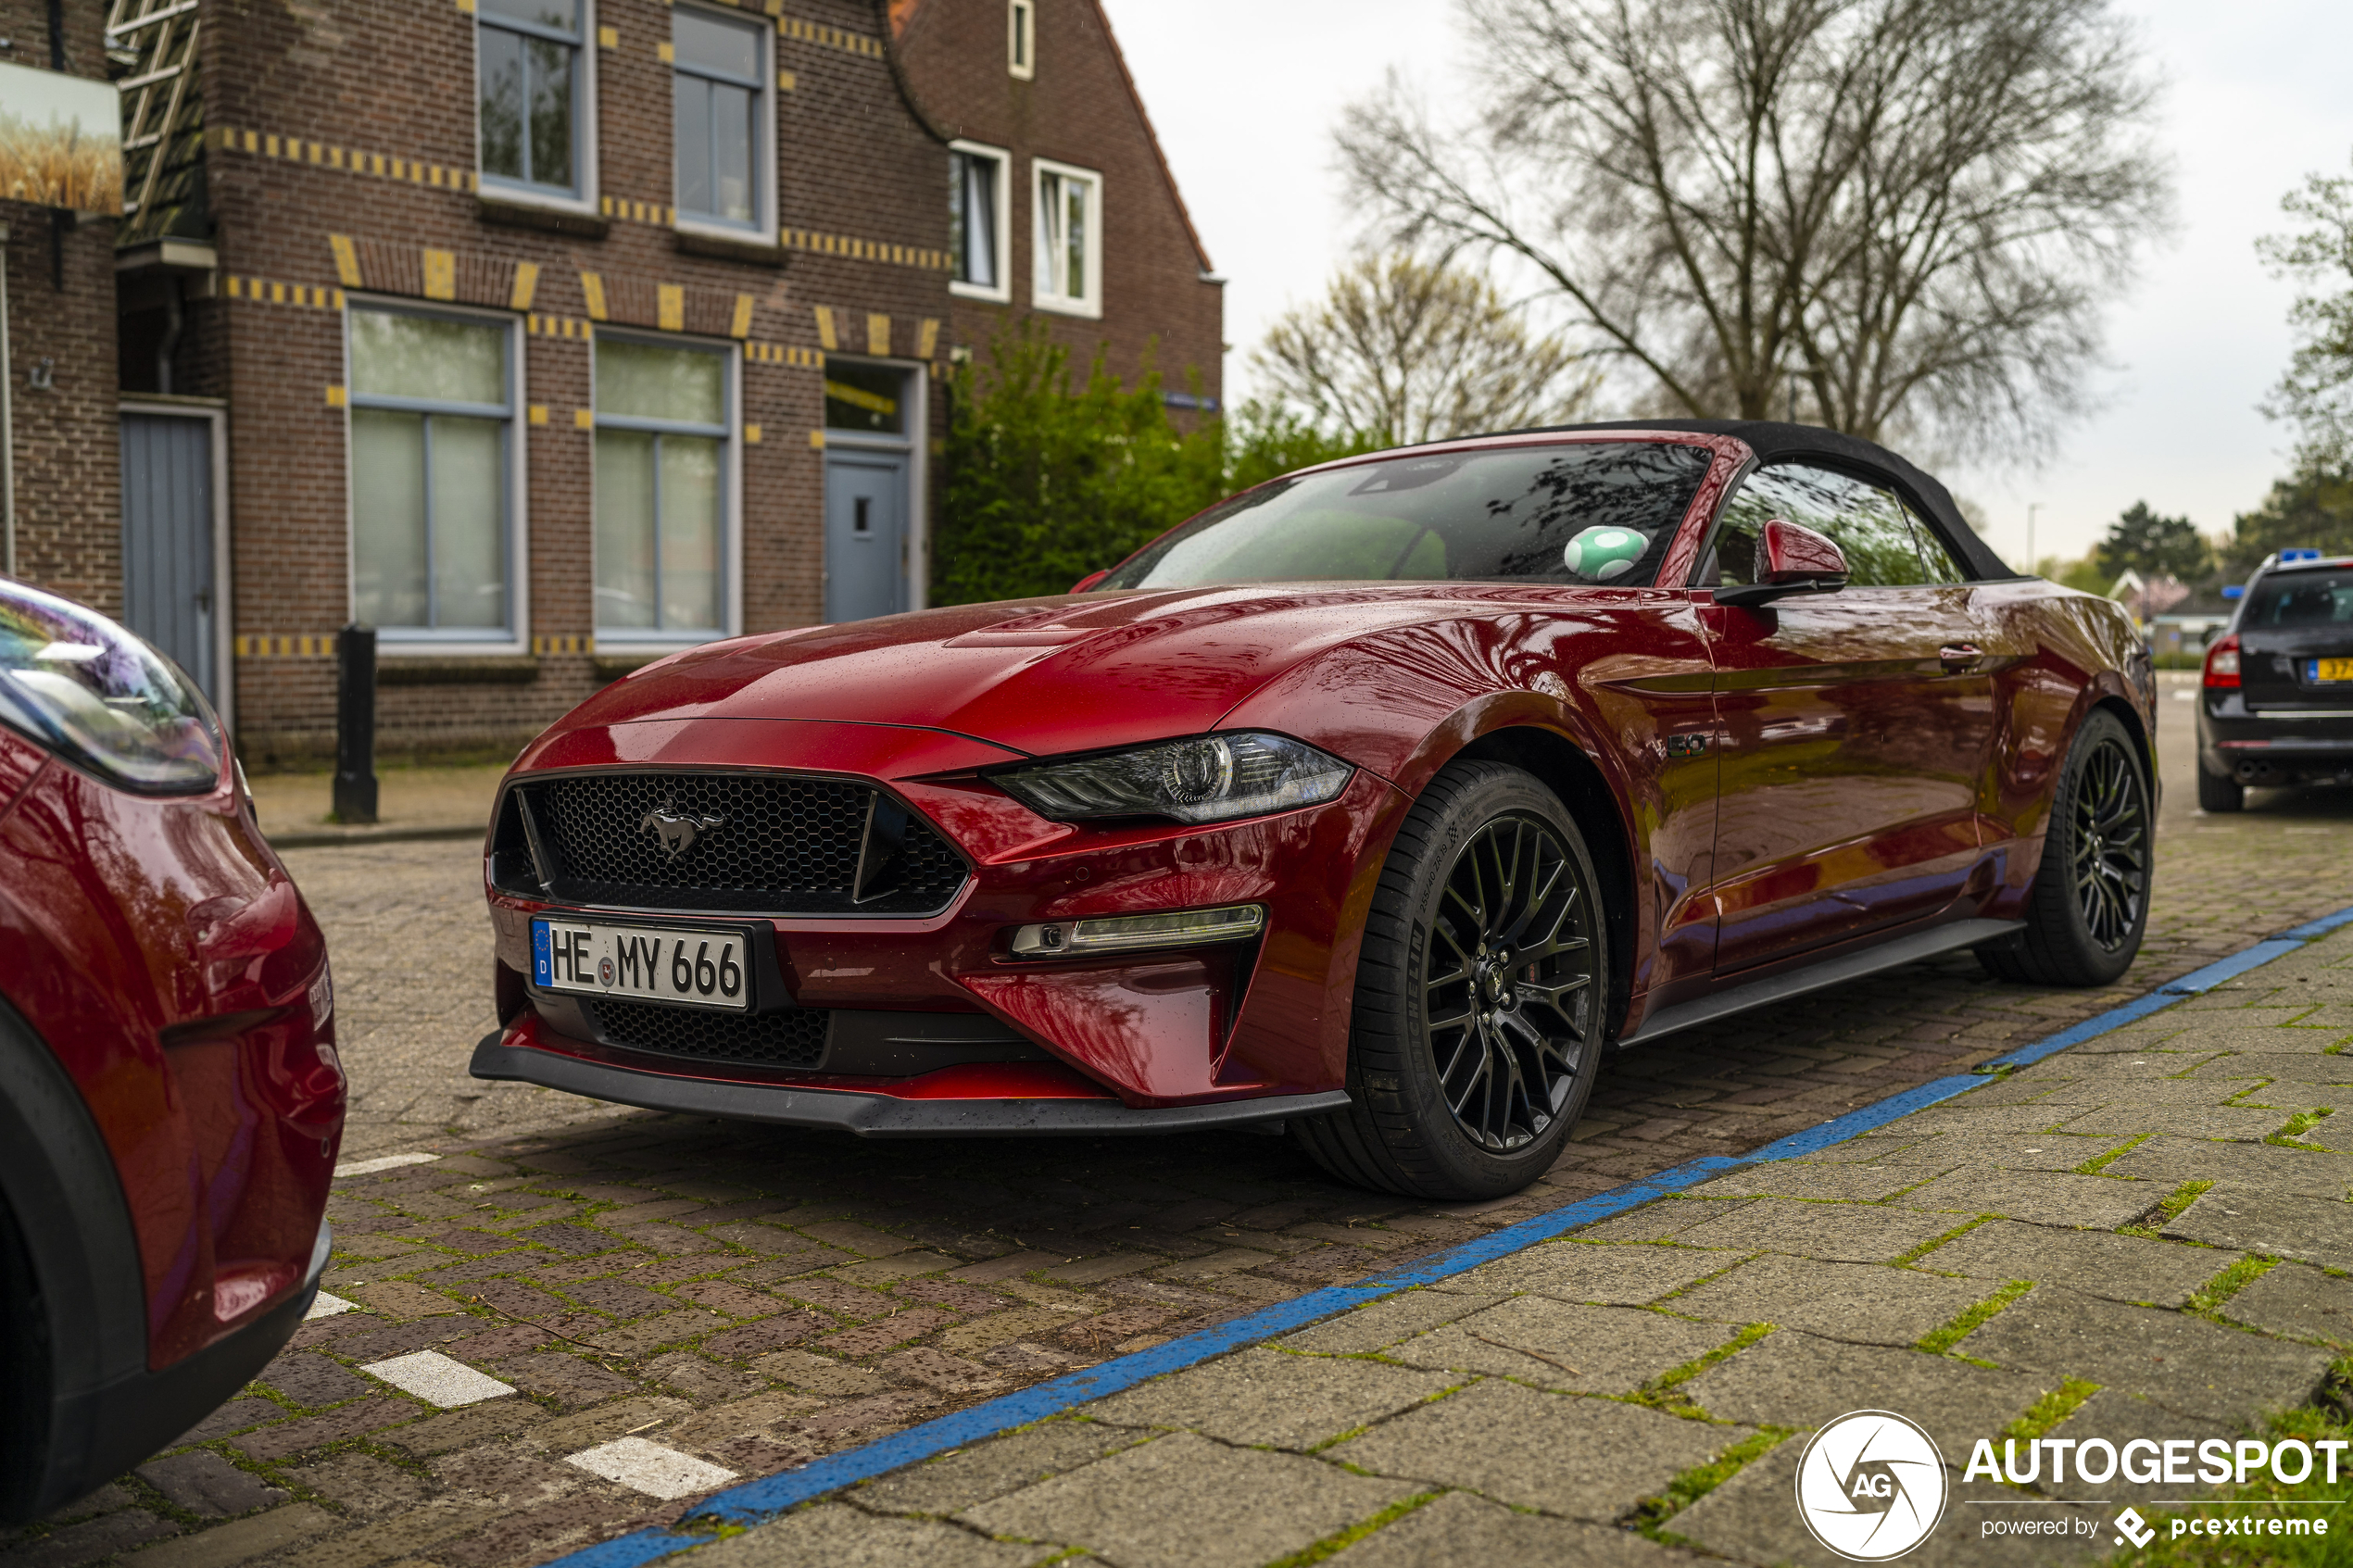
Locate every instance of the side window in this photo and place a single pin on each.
(978, 199)
(529, 97)
(1869, 525)
(720, 98)
(432, 410)
(1021, 38)
(1069, 242)
(1934, 556)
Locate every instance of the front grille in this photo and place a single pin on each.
(769, 843)
(795, 1038)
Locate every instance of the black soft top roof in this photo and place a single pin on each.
(1773, 441)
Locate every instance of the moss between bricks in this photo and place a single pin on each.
(1338, 1541)
(2165, 1213)
(1937, 1341)
(1651, 1515)
(2207, 1300)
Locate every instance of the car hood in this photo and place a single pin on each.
(1041, 676)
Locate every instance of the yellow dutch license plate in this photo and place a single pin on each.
(2333, 669)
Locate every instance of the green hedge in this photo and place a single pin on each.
(1047, 478)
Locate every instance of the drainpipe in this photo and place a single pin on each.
(8, 424)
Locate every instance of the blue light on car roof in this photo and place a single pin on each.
(2300, 554)
(2234, 590)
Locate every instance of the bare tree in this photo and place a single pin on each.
(1899, 213)
(2317, 391)
(1403, 351)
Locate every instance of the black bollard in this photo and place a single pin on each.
(356, 725)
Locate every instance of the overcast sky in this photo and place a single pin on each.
(1245, 93)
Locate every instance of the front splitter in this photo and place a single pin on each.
(879, 1116)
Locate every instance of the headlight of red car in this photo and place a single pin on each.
(1205, 779)
(83, 688)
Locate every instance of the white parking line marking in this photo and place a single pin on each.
(326, 1306)
(381, 1162)
(650, 1468)
(434, 1378)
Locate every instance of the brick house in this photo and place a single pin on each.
(58, 517)
(1062, 201)
(547, 336)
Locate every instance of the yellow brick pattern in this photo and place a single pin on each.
(269, 291)
(342, 160)
(628, 211)
(829, 37)
(821, 244)
(282, 644)
(564, 642)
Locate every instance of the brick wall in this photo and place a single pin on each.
(61, 353)
(1079, 107)
(294, 91)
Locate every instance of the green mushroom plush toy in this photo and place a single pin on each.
(1600, 554)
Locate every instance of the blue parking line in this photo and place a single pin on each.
(756, 1501)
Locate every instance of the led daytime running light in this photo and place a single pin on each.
(1215, 777)
(1129, 934)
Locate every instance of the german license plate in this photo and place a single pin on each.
(703, 968)
(2325, 669)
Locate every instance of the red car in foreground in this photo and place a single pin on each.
(1376, 801)
(173, 1101)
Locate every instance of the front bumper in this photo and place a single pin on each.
(1200, 1028)
(871, 1114)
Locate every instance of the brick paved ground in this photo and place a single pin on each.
(749, 1298)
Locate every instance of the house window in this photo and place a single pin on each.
(1021, 38)
(529, 66)
(721, 110)
(661, 505)
(432, 404)
(978, 196)
(1070, 239)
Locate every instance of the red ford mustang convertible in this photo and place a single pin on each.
(1376, 801)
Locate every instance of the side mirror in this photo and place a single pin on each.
(1790, 559)
(1089, 581)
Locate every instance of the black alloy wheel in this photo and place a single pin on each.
(2110, 865)
(1481, 996)
(2090, 903)
(1508, 1006)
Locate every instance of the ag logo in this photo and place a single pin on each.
(1871, 1485)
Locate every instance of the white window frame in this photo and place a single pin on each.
(763, 227)
(584, 132)
(427, 642)
(1092, 303)
(1003, 292)
(1020, 39)
(640, 639)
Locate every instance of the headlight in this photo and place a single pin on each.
(1206, 779)
(83, 687)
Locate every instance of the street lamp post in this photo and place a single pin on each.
(2033, 568)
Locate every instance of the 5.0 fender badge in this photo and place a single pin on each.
(676, 830)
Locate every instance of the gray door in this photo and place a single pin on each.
(167, 539)
(865, 534)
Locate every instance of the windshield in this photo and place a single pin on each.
(2303, 598)
(1585, 513)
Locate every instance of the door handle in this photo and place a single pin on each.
(1956, 657)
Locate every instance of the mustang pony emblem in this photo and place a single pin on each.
(677, 829)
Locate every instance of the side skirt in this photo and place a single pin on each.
(1820, 976)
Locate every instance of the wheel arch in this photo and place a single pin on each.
(1561, 766)
(81, 1300)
